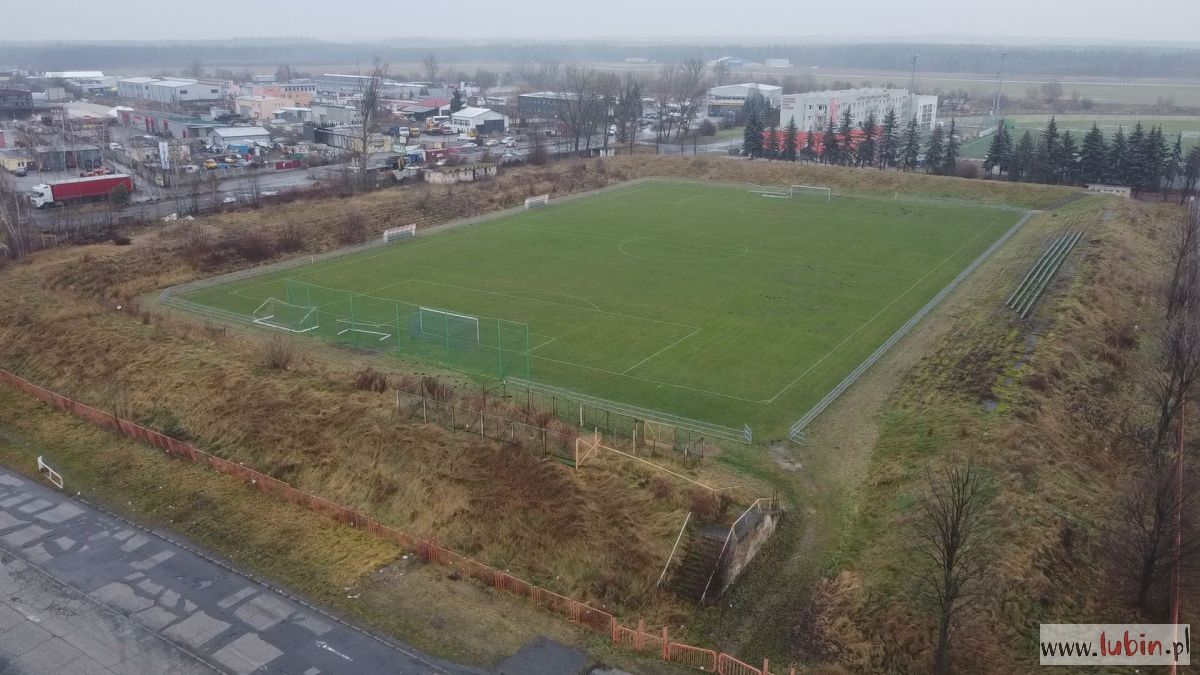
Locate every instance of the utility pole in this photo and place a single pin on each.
(912, 85)
(999, 83)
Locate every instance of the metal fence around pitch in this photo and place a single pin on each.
(556, 440)
(620, 419)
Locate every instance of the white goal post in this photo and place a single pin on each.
(446, 324)
(822, 192)
(286, 316)
(397, 233)
(379, 331)
(534, 202)
(791, 191)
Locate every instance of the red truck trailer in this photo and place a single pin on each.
(78, 189)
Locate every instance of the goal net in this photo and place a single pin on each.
(286, 316)
(398, 233)
(535, 202)
(796, 191)
(452, 327)
(809, 191)
(364, 329)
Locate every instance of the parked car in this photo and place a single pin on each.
(508, 139)
(492, 142)
(210, 164)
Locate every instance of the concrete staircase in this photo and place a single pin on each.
(699, 560)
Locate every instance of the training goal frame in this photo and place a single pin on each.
(380, 330)
(538, 201)
(790, 191)
(399, 233)
(265, 316)
(421, 311)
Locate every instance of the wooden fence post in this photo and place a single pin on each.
(766, 667)
(612, 628)
(666, 652)
(640, 643)
(481, 434)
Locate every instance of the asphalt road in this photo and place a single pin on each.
(137, 602)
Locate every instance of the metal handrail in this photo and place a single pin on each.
(672, 556)
(725, 546)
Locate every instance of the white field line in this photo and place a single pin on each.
(866, 323)
(630, 368)
(539, 346)
(647, 379)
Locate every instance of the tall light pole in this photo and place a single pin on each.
(999, 82)
(912, 85)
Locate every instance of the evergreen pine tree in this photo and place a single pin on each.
(869, 146)
(752, 135)
(934, 155)
(1045, 168)
(789, 140)
(1022, 157)
(1067, 159)
(950, 153)
(889, 139)
(809, 153)
(846, 139)
(456, 101)
(1191, 174)
(1160, 154)
(771, 143)
(1118, 172)
(1174, 163)
(1093, 157)
(829, 144)
(1140, 160)
(911, 152)
(1000, 151)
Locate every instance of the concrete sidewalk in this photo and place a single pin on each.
(154, 606)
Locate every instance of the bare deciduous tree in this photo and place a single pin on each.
(369, 112)
(17, 238)
(430, 64)
(628, 109)
(951, 556)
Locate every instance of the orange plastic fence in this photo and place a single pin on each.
(654, 641)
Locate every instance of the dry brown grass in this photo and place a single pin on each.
(1047, 448)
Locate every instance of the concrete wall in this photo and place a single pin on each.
(748, 542)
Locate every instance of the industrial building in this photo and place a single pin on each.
(479, 120)
(812, 111)
(165, 124)
(169, 92)
(223, 137)
(731, 97)
(18, 104)
(260, 107)
(542, 104)
(63, 157)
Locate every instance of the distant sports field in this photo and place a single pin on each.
(706, 301)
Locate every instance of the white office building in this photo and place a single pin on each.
(731, 97)
(813, 110)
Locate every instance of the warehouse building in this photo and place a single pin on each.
(63, 157)
(479, 120)
(812, 111)
(542, 104)
(223, 137)
(168, 92)
(731, 97)
(165, 123)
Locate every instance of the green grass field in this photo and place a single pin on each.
(1079, 125)
(706, 301)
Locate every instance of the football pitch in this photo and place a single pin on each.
(706, 301)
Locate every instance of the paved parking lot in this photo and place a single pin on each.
(85, 592)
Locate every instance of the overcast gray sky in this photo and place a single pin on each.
(1103, 20)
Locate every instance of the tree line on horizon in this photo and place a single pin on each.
(1144, 160)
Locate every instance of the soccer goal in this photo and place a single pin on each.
(450, 326)
(822, 193)
(538, 201)
(398, 233)
(376, 331)
(286, 316)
